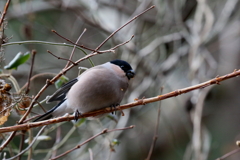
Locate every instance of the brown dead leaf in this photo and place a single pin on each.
(5, 101)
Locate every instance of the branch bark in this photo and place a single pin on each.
(137, 102)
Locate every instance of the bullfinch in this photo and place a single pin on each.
(98, 87)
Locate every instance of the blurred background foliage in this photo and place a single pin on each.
(177, 44)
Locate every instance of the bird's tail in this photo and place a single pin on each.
(49, 113)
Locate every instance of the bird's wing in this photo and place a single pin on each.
(49, 114)
(60, 94)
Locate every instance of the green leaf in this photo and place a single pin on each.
(62, 80)
(19, 59)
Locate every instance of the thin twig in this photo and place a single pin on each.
(41, 106)
(137, 102)
(21, 143)
(53, 151)
(4, 11)
(90, 153)
(30, 72)
(30, 150)
(29, 146)
(40, 42)
(37, 76)
(112, 49)
(123, 27)
(70, 58)
(7, 140)
(94, 50)
(103, 132)
(75, 44)
(61, 143)
(155, 136)
(61, 58)
(229, 154)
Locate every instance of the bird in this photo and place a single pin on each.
(99, 87)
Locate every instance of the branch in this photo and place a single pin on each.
(96, 50)
(138, 102)
(155, 136)
(70, 58)
(61, 58)
(123, 27)
(35, 77)
(29, 146)
(75, 44)
(4, 11)
(112, 49)
(90, 153)
(30, 72)
(228, 154)
(103, 132)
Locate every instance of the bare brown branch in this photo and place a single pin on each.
(29, 146)
(112, 49)
(155, 136)
(229, 154)
(61, 58)
(4, 11)
(125, 106)
(123, 27)
(102, 132)
(70, 58)
(30, 72)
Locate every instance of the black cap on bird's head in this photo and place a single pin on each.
(125, 66)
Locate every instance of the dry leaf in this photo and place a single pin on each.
(5, 101)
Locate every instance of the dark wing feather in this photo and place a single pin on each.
(48, 114)
(60, 94)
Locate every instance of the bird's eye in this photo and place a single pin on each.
(122, 66)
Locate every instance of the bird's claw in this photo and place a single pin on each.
(113, 107)
(76, 115)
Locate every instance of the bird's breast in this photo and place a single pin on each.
(97, 89)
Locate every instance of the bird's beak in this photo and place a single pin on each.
(130, 74)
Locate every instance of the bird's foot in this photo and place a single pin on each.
(113, 107)
(76, 115)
